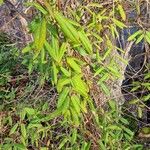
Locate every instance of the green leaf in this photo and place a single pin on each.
(20, 146)
(104, 88)
(55, 72)
(42, 34)
(147, 38)
(26, 49)
(13, 129)
(134, 35)
(72, 63)
(67, 28)
(112, 104)
(118, 23)
(62, 50)
(63, 142)
(30, 111)
(122, 12)
(114, 127)
(74, 136)
(62, 96)
(38, 6)
(75, 101)
(75, 118)
(139, 39)
(1, 2)
(65, 72)
(79, 85)
(51, 51)
(61, 83)
(139, 112)
(23, 130)
(85, 42)
(99, 71)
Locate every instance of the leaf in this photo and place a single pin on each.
(102, 146)
(146, 98)
(75, 118)
(38, 6)
(66, 105)
(134, 101)
(114, 127)
(125, 121)
(65, 72)
(75, 101)
(73, 64)
(55, 72)
(94, 5)
(122, 12)
(67, 28)
(83, 105)
(63, 142)
(62, 96)
(42, 34)
(85, 41)
(23, 130)
(135, 35)
(139, 112)
(13, 129)
(1, 2)
(79, 85)
(139, 39)
(118, 23)
(26, 49)
(99, 71)
(104, 88)
(147, 38)
(30, 111)
(20, 146)
(62, 50)
(51, 51)
(112, 104)
(61, 83)
(74, 136)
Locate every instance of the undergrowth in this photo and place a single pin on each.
(57, 94)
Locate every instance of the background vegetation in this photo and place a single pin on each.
(65, 88)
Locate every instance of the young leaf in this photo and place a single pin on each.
(65, 72)
(118, 23)
(55, 72)
(61, 83)
(23, 130)
(30, 111)
(73, 64)
(85, 41)
(122, 12)
(75, 101)
(62, 96)
(134, 35)
(67, 28)
(139, 39)
(63, 142)
(51, 51)
(62, 50)
(13, 129)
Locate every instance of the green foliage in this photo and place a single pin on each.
(63, 46)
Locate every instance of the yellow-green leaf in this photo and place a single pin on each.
(67, 28)
(72, 63)
(134, 35)
(62, 97)
(118, 23)
(122, 12)
(85, 42)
